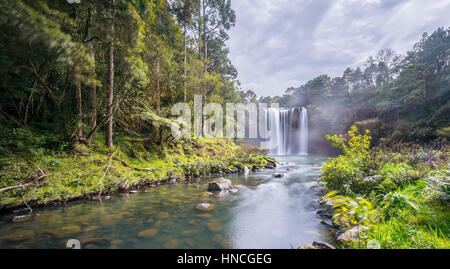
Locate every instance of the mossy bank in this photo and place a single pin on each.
(35, 173)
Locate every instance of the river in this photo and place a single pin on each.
(268, 213)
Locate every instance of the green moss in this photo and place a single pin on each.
(82, 171)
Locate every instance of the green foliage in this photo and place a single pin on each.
(340, 172)
(401, 197)
(349, 212)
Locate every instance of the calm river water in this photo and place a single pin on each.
(268, 212)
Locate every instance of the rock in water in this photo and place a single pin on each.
(351, 234)
(21, 218)
(323, 245)
(205, 207)
(326, 214)
(220, 184)
(278, 176)
(307, 246)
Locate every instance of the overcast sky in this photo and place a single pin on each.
(278, 44)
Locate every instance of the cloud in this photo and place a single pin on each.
(284, 43)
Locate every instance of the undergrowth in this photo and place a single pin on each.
(398, 197)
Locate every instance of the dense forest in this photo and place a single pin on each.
(74, 69)
(87, 90)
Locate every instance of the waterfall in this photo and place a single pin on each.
(288, 131)
(304, 132)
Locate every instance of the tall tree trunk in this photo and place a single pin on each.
(205, 41)
(158, 98)
(93, 96)
(185, 65)
(158, 90)
(79, 106)
(109, 125)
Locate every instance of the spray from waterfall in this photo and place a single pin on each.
(289, 131)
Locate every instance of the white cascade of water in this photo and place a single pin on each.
(288, 131)
(304, 132)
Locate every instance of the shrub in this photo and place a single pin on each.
(349, 212)
(341, 171)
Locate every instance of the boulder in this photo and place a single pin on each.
(219, 184)
(326, 202)
(233, 170)
(351, 234)
(234, 190)
(307, 246)
(278, 175)
(327, 223)
(326, 214)
(319, 245)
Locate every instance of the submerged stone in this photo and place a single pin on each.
(20, 235)
(206, 216)
(91, 228)
(214, 226)
(189, 232)
(224, 243)
(148, 233)
(95, 241)
(163, 215)
(172, 244)
(65, 231)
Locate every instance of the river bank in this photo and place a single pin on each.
(384, 197)
(34, 175)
